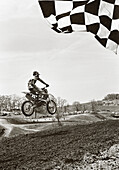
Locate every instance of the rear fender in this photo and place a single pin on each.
(25, 92)
(28, 96)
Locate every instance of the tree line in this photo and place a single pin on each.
(111, 97)
(10, 102)
(14, 102)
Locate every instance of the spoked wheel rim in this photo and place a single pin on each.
(51, 107)
(27, 108)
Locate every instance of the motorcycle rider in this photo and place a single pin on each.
(31, 84)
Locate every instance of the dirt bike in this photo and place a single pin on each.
(36, 100)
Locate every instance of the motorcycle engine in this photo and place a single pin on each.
(30, 97)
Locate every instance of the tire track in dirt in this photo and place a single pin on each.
(9, 127)
(12, 129)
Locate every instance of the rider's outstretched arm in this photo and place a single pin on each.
(43, 82)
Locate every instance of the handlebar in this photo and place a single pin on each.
(44, 87)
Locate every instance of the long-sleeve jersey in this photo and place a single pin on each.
(32, 82)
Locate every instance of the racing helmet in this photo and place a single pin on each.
(36, 73)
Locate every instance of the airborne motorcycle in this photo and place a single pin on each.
(36, 100)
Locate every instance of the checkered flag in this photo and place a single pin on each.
(100, 17)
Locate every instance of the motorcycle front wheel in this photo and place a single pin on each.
(27, 108)
(51, 107)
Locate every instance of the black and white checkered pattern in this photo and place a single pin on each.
(100, 17)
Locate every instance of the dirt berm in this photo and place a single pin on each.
(67, 147)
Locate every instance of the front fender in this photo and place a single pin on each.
(51, 97)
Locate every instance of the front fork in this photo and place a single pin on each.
(48, 99)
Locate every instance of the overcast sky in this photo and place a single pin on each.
(76, 66)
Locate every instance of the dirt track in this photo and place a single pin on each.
(8, 127)
(14, 126)
(16, 129)
(65, 147)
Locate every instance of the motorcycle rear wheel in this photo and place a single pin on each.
(27, 108)
(51, 107)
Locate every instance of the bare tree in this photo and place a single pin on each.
(94, 106)
(84, 108)
(77, 106)
(61, 104)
